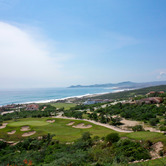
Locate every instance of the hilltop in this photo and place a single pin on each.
(122, 85)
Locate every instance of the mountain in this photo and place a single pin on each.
(122, 85)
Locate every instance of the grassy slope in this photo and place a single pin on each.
(66, 133)
(65, 105)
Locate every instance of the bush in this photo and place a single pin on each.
(162, 128)
(113, 137)
(153, 121)
(131, 150)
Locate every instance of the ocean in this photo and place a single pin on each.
(45, 94)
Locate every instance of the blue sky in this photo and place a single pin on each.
(63, 42)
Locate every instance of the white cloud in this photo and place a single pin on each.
(26, 61)
(162, 75)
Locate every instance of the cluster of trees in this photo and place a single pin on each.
(147, 113)
(84, 107)
(49, 110)
(73, 113)
(84, 151)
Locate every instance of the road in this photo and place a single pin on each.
(96, 123)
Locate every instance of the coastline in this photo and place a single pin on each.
(75, 97)
(70, 97)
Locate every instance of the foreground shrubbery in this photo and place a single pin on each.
(83, 151)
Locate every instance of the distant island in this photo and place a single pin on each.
(122, 85)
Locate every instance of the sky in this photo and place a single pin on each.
(58, 43)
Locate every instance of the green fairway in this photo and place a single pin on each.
(65, 105)
(153, 136)
(65, 133)
(28, 123)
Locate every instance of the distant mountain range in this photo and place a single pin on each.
(122, 85)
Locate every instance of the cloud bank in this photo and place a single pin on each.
(26, 61)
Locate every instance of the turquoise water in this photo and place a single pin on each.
(45, 94)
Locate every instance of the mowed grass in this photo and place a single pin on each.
(153, 136)
(65, 105)
(62, 131)
(65, 133)
(28, 123)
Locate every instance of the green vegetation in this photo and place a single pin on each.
(59, 143)
(49, 151)
(131, 150)
(150, 114)
(138, 128)
(49, 111)
(151, 136)
(83, 151)
(113, 137)
(66, 106)
(33, 122)
(66, 133)
(156, 162)
(131, 93)
(63, 132)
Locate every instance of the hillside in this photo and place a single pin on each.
(131, 93)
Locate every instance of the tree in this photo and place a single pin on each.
(115, 121)
(103, 119)
(95, 118)
(86, 136)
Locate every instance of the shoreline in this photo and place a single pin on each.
(79, 96)
(70, 97)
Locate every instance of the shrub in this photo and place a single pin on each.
(162, 128)
(131, 150)
(153, 121)
(138, 128)
(113, 137)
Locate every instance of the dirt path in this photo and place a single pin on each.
(156, 149)
(96, 123)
